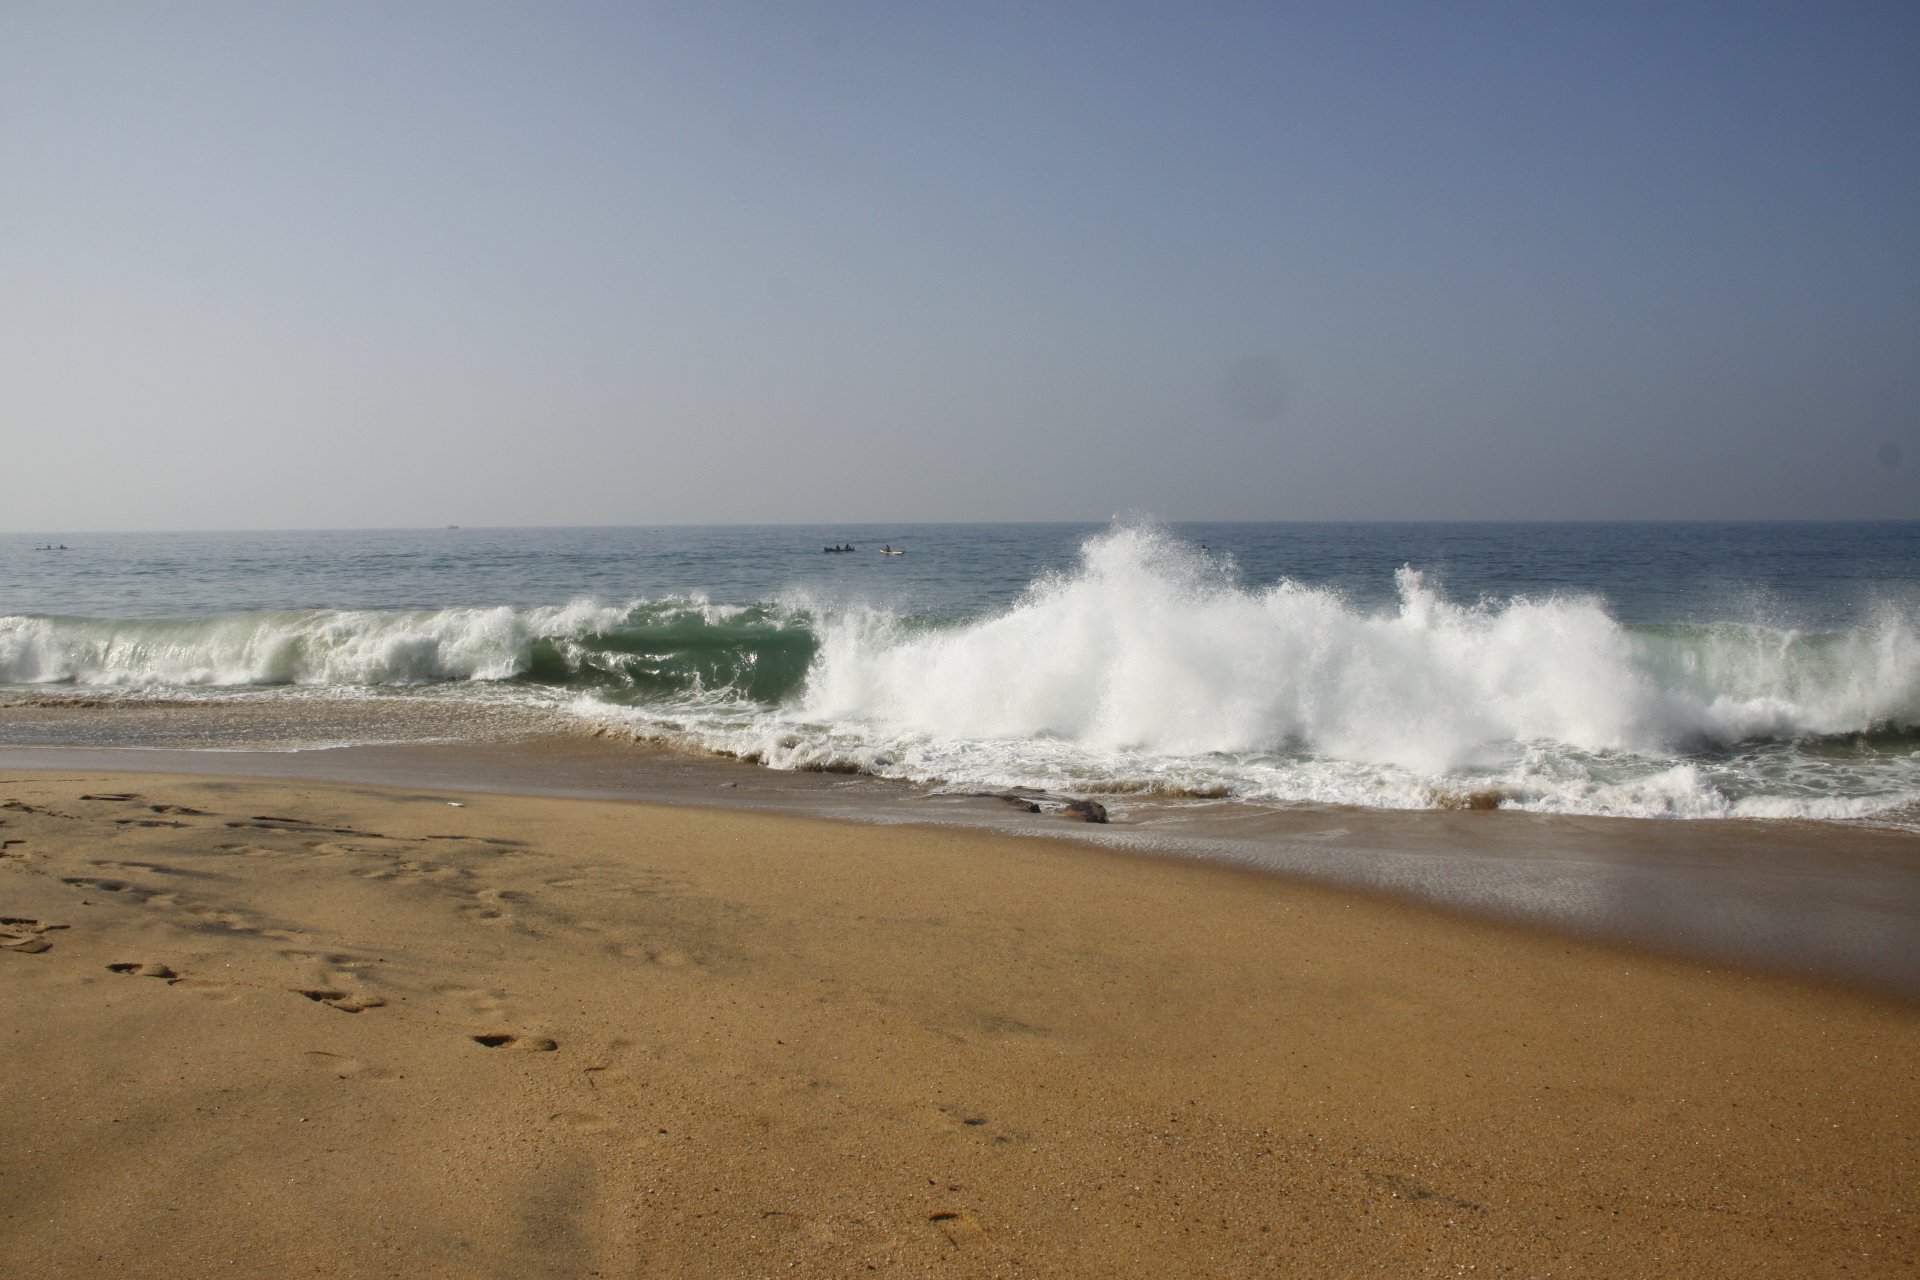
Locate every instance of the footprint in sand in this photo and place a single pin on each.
(133, 892)
(203, 987)
(334, 977)
(120, 796)
(344, 1001)
(96, 882)
(146, 969)
(24, 937)
(491, 906)
(206, 917)
(527, 1044)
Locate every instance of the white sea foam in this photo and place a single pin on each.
(1152, 647)
(317, 647)
(1148, 668)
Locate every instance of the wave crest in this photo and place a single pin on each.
(1149, 668)
(639, 649)
(1152, 646)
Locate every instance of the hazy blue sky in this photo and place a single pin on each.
(412, 264)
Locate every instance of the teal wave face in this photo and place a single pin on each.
(663, 652)
(635, 652)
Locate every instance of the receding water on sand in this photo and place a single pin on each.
(1831, 900)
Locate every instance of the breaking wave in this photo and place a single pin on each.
(1152, 646)
(1149, 667)
(655, 650)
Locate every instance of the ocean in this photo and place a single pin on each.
(1674, 671)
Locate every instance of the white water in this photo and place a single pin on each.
(1152, 647)
(1150, 667)
(301, 647)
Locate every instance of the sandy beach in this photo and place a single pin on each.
(269, 1027)
(686, 641)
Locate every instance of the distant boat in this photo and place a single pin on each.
(891, 551)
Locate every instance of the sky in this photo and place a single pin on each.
(269, 265)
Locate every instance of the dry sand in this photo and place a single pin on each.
(267, 1028)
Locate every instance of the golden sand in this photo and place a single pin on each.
(261, 1028)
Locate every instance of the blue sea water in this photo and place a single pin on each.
(1673, 670)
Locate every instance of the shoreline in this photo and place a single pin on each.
(300, 1026)
(1827, 902)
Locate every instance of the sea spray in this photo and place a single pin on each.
(1730, 682)
(1150, 669)
(1148, 666)
(1150, 647)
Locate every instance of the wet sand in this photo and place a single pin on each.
(269, 1026)
(1830, 901)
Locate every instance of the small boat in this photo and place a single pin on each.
(891, 551)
